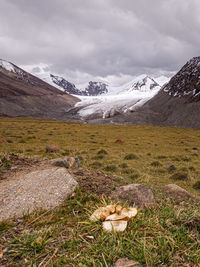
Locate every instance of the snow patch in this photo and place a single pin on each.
(109, 105)
(7, 65)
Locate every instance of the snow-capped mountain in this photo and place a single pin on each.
(144, 84)
(64, 85)
(119, 99)
(90, 89)
(101, 99)
(10, 67)
(20, 73)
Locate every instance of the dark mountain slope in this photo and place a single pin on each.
(22, 94)
(92, 89)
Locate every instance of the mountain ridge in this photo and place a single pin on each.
(23, 94)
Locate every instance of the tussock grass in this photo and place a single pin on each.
(156, 163)
(130, 156)
(102, 152)
(180, 176)
(111, 168)
(197, 185)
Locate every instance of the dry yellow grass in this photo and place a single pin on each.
(29, 137)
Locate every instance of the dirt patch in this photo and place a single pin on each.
(13, 164)
(96, 182)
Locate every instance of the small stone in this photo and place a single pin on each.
(136, 194)
(125, 262)
(170, 166)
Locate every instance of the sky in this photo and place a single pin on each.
(112, 40)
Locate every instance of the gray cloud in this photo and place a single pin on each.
(100, 37)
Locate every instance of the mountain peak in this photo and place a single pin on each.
(144, 84)
(186, 83)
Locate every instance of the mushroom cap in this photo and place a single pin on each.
(114, 226)
(102, 213)
(129, 212)
(116, 217)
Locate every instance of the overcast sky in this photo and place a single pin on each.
(116, 39)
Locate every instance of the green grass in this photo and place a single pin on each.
(165, 236)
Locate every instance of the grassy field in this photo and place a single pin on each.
(165, 236)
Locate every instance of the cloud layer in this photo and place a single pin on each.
(100, 37)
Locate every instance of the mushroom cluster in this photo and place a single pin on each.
(115, 218)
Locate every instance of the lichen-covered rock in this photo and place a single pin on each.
(137, 194)
(178, 193)
(40, 189)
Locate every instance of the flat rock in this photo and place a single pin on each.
(178, 192)
(125, 262)
(41, 189)
(136, 194)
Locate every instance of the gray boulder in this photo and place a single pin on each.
(136, 194)
(178, 193)
(41, 189)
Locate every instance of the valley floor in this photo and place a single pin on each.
(167, 235)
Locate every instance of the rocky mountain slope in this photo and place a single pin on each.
(176, 104)
(90, 89)
(22, 94)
